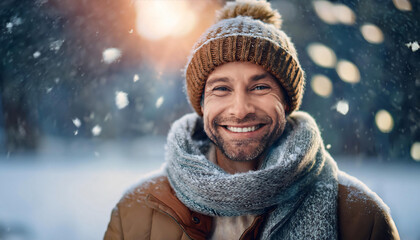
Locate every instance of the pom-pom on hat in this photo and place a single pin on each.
(246, 31)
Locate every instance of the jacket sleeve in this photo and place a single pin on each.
(384, 227)
(114, 231)
(361, 216)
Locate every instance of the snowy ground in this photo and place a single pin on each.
(71, 197)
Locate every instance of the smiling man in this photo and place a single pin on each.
(244, 114)
(247, 164)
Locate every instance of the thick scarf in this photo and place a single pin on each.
(297, 182)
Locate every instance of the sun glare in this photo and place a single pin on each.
(164, 18)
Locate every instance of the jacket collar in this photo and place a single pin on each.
(162, 198)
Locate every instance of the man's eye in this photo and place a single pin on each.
(220, 89)
(261, 87)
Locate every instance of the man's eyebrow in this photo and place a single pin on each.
(215, 80)
(259, 76)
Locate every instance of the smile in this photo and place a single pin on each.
(243, 129)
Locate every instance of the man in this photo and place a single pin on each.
(247, 165)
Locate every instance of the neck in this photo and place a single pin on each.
(233, 167)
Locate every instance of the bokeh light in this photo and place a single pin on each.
(332, 13)
(384, 121)
(321, 55)
(323, 10)
(403, 5)
(344, 14)
(159, 19)
(372, 33)
(321, 85)
(415, 151)
(348, 71)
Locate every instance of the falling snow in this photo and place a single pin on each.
(107, 117)
(77, 122)
(15, 21)
(342, 107)
(136, 78)
(9, 27)
(56, 45)
(121, 99)
(36, 54)
(159, 102)
(413, 45)
(110, 55)
(96, 130)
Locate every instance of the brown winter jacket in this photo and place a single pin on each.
(152, 211)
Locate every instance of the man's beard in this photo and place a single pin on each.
(235, 149)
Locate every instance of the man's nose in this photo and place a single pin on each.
(242, 105)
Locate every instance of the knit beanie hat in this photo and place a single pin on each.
(246, 31)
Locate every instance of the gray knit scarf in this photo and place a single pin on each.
(297, 182)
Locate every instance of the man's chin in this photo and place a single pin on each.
(239, 155)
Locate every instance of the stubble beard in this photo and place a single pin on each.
(235, 150)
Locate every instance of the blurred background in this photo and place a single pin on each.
(89, 89)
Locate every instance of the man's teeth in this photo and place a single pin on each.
(240, 130)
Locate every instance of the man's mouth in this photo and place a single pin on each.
(243, 129)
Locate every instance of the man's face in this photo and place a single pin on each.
(243, 110)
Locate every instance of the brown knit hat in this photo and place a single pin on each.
(246, 31)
